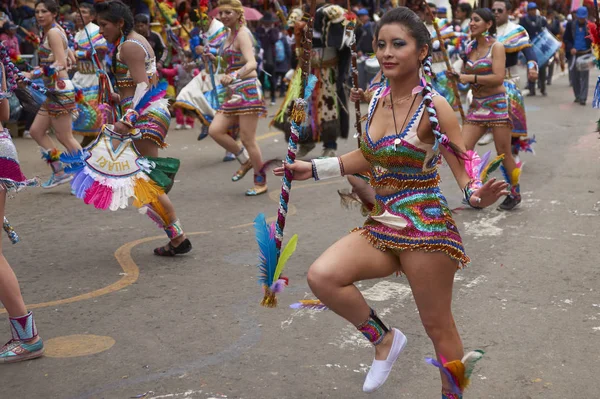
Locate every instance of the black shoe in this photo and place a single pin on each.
(544, 94)
(531, 94)
(170, 250)
(548, 83)
(582, 102)
(576, 100)
(509, 203)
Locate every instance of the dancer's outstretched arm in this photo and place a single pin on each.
(348, 164)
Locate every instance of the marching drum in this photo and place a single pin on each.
(545, 46)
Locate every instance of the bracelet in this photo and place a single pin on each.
(130, 118)
(475, 79)
(234, 75)
(468, 191)
(327, 168)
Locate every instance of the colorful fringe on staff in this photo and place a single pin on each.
(458, 372)
(10, 232)
(313, 304)
(481, 168)
(270, 267)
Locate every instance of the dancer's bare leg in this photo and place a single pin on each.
(332, 276)
(431, 277)
(218, 131)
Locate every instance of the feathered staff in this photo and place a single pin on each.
(270, 238)
(350, 30)
(449, 70)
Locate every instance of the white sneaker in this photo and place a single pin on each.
(26, 134)
(188, 127)
(178, 127)
(57, 180)
(380, 369)
(486, 139)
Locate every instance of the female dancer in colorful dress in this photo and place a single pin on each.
(89, 119)
(244, 102)
(58, 115)
(134, 67)
(410, 229)
(484, 70)
(25, 343)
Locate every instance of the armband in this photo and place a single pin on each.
(211, 50)
(130, 118)
(36, 73)
(468, 191)
(327, 168)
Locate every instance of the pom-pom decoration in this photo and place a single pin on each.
(458, 372)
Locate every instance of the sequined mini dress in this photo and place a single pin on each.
(416, 216)
(486, 111)
(244, 96)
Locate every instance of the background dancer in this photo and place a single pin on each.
(244, 103)
(134, 67)
(25, 343)
(89, 116)
(514, 38)
(425, 244)
(484, 71)
(58, 115)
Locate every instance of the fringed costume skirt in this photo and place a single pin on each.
(154, 122)
(516, 108)
(91, 116)
(489, 111)
(64, 103)
(414, 220)
(11, 176)
(244, 97)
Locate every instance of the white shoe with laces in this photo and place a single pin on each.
(380, 369)
(486, 139)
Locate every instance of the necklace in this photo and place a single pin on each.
(397, 102)
(397, 140)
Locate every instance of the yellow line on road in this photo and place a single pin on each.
(131, 272)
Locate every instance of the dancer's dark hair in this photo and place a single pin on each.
(115, 11)
(466, 8)
(487, 15)
(417, 29)
(51, 5)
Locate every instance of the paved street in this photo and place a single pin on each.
(120, 322)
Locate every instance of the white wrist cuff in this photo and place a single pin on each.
(326, 168)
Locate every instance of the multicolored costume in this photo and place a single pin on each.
(515, 39)
(11, 177)
(108, 176)
(486, 111)
(330, 63)
(153, 125)
(417, 215)
(452, 41)
(243, 96)
(62, 87)
(89, 120)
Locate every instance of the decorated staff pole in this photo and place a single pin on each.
(452, 82)
(297, 117)
(280, 14)
(351, 21)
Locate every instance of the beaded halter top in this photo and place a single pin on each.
(409, 164)
(121, 70)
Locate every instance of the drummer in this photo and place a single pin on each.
(534, 24)
(578, 44)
